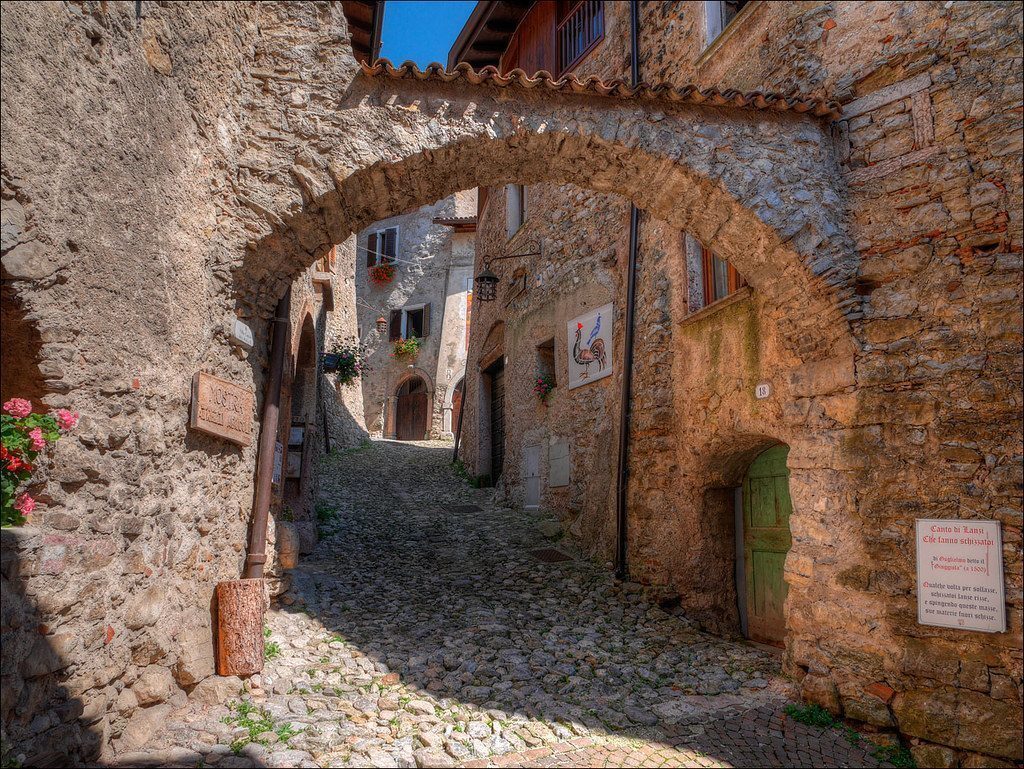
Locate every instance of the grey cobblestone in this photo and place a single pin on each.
(417, 636)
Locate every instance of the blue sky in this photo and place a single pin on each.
(422, 30)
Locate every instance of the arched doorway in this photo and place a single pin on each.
(411, 410)
(766, 541)
(456, 407)
(495, 374)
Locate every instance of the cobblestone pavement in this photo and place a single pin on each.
(423, 632)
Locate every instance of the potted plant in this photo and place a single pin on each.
(382, 274)
(345, 360)
(23, 435)
(406, 349)
(543, 386)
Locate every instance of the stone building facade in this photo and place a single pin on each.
(911, 94)
(209, 155)
(430, 251)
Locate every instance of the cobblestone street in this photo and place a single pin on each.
(423, 632)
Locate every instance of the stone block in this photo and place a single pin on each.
(195, 661)
(821, 690)
(45, 657)
(145, 609)
(29, 261)
(822, 377)
(870, 710)
(216, 690)
(927, 713)
(155, 684)
(989, 726)
(141, 727)
(928, 756)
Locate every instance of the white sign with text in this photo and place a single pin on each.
(960, 575)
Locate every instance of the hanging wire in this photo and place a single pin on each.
(392, 260)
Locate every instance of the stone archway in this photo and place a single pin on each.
(757, 183)
(452, 408)
(760, 178)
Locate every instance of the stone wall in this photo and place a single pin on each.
(180, 184)
(427, 263)
(915, 416)
(124, 142)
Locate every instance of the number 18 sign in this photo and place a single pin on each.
(960, 575)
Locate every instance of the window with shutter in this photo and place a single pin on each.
(711, 278)
(515, 207)
(395, 326)
(718, 14)
(382, 246)
(389, 251)
(426, 320)
(371, 249)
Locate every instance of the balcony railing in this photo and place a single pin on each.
(579, 32)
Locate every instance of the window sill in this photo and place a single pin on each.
(729, 32)
(719, 304)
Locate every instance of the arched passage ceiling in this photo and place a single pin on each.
(753, 175)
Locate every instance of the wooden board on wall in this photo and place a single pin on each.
(221, 408)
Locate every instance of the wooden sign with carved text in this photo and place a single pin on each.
(221, 408)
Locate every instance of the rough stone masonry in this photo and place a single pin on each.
(163, 174)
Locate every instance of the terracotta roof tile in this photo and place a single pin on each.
(593, 85)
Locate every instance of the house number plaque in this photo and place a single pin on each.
(221, 408)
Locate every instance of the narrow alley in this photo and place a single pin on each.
(425, 631)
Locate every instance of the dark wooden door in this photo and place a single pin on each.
(766, 540)
(411, 412)
(497, 372)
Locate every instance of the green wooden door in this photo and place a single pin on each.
(766, 540)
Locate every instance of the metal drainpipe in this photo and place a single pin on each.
(375, 34)
(257, 550)
(621, 564)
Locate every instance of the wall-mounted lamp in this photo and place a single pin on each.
(485, 285)
(382, 324)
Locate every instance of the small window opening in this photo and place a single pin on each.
(546, 360)
(515, 207)
(710, 277)
(719, 14)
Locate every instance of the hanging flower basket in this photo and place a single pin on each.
(382, 274)
(406, 349)
(345, 360)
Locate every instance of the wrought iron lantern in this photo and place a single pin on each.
(382, 324)
(486, 285)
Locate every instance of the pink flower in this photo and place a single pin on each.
(67, 419)
(38, 441)
(25, 504)
(18, 407)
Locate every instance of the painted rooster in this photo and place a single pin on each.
(592, 353)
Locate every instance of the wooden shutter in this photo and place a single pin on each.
(389, 248)
(426, 319)
(708, 278)
(371, 249)
(395, 327)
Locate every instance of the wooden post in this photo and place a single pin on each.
(240, 607)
